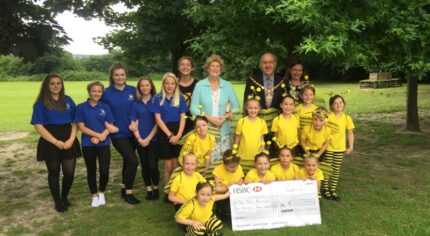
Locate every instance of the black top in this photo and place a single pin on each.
(187, 92)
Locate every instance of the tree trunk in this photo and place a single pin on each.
(412, 123)
(177, 53)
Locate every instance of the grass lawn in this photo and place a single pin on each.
(384, 185)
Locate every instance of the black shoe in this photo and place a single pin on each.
(122, 192)
(59, 207)
(335, 197)
(66, 203)
(156, 195)
(130, 199)
(149, 195)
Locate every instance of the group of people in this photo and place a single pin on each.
(174, 126)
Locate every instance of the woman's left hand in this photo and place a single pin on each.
(68, 144)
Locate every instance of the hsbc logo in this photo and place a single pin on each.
(242, 190)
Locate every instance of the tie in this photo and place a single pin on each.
(269, 92)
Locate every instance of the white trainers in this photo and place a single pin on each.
(95, 202)
(102, 199)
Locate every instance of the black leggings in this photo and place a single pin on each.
(54, 166)
(91, 155)
(149, 162)
(126, 149)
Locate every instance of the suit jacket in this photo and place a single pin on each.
(277, 94)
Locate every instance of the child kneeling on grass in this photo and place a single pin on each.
(197, 213)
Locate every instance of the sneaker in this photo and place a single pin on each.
(149, 195)
(95, 202)
(130, 199)
(102, 199)
(335, 197)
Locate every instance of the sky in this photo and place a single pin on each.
(82, 33)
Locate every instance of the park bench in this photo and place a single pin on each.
(380, 80)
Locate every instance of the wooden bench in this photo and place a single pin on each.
(380, 80)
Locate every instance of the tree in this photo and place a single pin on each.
(28, 30)
(390, 35)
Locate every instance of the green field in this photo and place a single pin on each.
(384, 185)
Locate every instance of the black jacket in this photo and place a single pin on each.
(277, 94)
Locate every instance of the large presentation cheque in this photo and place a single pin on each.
(274, 205)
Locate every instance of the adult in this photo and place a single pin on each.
(53, 115)
(186, 84)
(216, 98)
(296, 77)
(120, 97)
(266, 84)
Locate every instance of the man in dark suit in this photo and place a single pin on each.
(269, 83)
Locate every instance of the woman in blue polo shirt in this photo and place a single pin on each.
(169, 109)
(120, 97)
(144, 128)
(91, 117)
(53, 114)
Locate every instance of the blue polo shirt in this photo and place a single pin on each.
(167, 111)
(93, 118)
(142, 112)
(120, 103)
(44, 116)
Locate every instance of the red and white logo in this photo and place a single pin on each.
(257, 189)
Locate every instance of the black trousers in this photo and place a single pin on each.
(126, 148)
(149, 161)
(91, 156)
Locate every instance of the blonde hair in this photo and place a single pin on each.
(212, 58)
(320, 112)
(176, 94)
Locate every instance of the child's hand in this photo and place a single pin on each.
(349, 150)
(198, 226)
(95, 140)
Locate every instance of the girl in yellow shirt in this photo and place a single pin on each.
(285, 169)
(200, 142)
(305, 109)
(184, 184)
(311, 171)
(226, 174)
(250, 131)
(261, 172)
(286, 126)
(337, 148)
(316, 137)
(197, 213)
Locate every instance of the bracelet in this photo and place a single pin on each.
(171, 135)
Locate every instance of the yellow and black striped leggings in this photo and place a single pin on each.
(335, 160)
(213, 226)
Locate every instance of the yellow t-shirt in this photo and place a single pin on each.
(315, 139)
(286, 130)
(192, 210)
(200, 147)
(252, 176)
(282, 174)
(185, 186)
(305, 114)
(338, 140)
(228, 177)
(302, 174)
(251, 134)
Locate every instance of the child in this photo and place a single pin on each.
(305, 109)
(311, 171)
(337, 147)
(144, 129)
(197, 213)
(169, 108)
(226, 174)
(285, 169)
(250, 131)
(286, 126)
(200, 142)
(261, 172)
(91, 117)
(316, 137)
(182, 188)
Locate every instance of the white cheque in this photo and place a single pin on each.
(274, 205)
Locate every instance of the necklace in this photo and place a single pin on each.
(266, 89)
